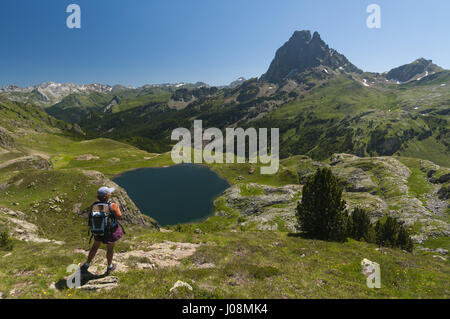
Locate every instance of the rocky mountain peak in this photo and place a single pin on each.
(237, 82)
(414, 70)
(303, 52)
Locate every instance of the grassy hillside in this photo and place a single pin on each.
(75, 107)
(345, 116)
(341, 113)
(239, 265)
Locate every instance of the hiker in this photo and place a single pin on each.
(104, 232)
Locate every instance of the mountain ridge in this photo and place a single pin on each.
(325, 106)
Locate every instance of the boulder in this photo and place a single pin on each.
(106, 283)
(444, 192)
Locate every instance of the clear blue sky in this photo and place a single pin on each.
(134, 42)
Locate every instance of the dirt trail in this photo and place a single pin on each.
(15, 160)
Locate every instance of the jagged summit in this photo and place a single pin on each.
(237, 82)
(303, 52)
(415, 70)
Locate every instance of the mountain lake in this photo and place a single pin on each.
(173, 195)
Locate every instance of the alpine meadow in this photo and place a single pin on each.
(363, 179)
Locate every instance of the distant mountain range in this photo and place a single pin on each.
(50, 93)
(321, 102)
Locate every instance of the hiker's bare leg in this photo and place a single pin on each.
(93, 251)
(109, 253)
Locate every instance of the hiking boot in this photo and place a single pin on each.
(84, 269)
(110, 269)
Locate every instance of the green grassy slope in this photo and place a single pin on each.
(246, 265)
(74, 107)
(345, 116)
(339, 115)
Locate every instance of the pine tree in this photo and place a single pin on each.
(387, 232)
(404, 240)
(360, 227)
(393, 234)
(321, 213)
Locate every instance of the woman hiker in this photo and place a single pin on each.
(109, 238)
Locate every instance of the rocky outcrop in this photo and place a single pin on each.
(131, 214)
(87, 157)
(356, 180)
(273, 207)
(444, 192)
(158, 255)
(381, 185)
(249, 205)
(21, 229)
(443, 178)
(384, 189)
(105, 283)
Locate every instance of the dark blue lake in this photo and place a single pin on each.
(173, 195)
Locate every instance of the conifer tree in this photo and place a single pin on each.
(321, 213)
(360, 227)
(393, 234)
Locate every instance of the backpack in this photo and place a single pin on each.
(102, 221)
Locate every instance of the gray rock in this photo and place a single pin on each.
(444, 192)
(105, 283)
(444, 178)
(260, 209)
(356, 180)
(436, 250)
(249, 205)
